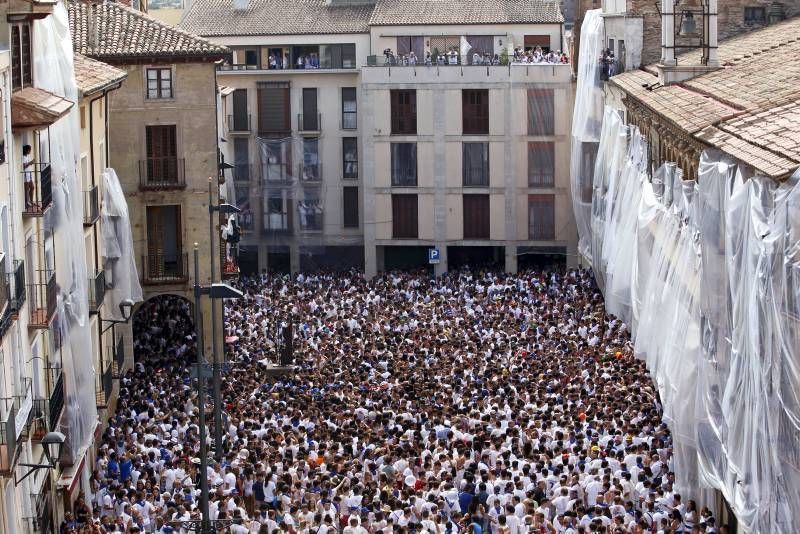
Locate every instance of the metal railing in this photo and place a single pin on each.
(243, 172)
(97, 290)
(38, 188)
(162, 173)
(16, 280)
(41, 522)
(239, 66)
(239, 123)
(41, 420)
(8, 435)
(309, 123)
(165, 268)
(42, 298)
(27, 391)
(104, 387)
(6, 307)
(310, 172)
(119, 358)
(277, 223)
(91, 206)
(310, 216)
(55, 403)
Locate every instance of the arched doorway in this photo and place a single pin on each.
(163, 330)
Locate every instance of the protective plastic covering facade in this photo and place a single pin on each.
(707, 274)
(119, 263)
(53, 71)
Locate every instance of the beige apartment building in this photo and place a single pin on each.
(163, 140)
(342, 157)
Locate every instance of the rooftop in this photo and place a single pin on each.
(750, 108)
(116, 33)
(416, 12)
(275, 17)
(298, 17)
(92, 76)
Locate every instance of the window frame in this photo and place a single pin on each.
(486, 168)
(535, 147)
(475, 111)
(159, 83)
(750, 10)
(345, 161)
(413, 218)
(403, 112)
(350, 219)
(537, 129)
(476, 223)
(21, 71)
(541, 199)
(393, 160)
(348, 113)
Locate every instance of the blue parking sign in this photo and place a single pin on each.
(433, 255)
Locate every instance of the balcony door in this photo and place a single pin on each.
(162, 154)
(164, 246)
(241, 122)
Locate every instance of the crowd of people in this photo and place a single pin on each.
(474, 57)
(472, 402)
(538, 55)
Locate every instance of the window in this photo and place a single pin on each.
(404, 164)
(162, 151)
(159, 83)
(350, 158)
(755, 15)
(310, 210)
(273, 108)
(349, 109)
(475, 164)
(311, 171)
(404, 217)
(309, 120)
(407, 44)
(165, 258)
(532, 41)
(475, 111)
(541, 217)
(476, 216)
(21, 66)
(240, 120)
(276, 161)
(350, 206)
(541, 112)
(241, 159)
(278, 212)
(541, 164)
(251, 57)
(404, 111)
(588, 157)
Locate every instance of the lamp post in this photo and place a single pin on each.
(52, 443)
(214, 291)
(217, 380)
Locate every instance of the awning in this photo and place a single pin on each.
(37, 108)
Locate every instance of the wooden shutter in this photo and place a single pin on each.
(240, 119)
(350, 206)
(475, 111)
(541, 112)
(476, 216)
(404, 111)
(541, 163)
(273, 108)
(404, 216)
(310, 109)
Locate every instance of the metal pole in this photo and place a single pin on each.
(215, 363)
(201, 394)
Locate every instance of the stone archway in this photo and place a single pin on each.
(161, 325)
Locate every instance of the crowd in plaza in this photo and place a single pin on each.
(472, 402)
(474, 57)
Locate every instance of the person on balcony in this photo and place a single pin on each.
(27, 172)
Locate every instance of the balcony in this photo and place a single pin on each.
(97, 291)
(468, 74)
(9, 452)
(159, 174)
(277, 223)
(277, 173)
(104, 386)
(41, 521)
(38, 187)
(309, 123)
(25, 410)
(165, 268)
(119, 358)
(91, 206)
(42, 298)
(311, 215)
(16, 281)
(55, 402)
(6, 305)
(310, 172)
(239, 124)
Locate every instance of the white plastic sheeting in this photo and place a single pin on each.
(708, 276)
(53, 71)
(587, 119)
(119, 262)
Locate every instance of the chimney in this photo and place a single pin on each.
(241, 5)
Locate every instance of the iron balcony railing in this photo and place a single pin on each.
(16, 279)
(162, 173)
(41, 522)
(239, 123)
(97, 291)
(91, 206)
(310, 172)
(55, 402)
(38, 188)
(119, 358)
(41, 419)
(165, 268)
(42, 298)
(104, 386)
(9, 452)
(6, 306)
(277, 223)
(24, 402)
(309, 122)
(276, 172)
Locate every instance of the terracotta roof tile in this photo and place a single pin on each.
(91, 75)
(390, 12)
(111, 31)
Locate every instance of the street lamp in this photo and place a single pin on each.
(52, 443)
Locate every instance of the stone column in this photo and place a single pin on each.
(440, 181)
(667, 33)
(712, 36)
